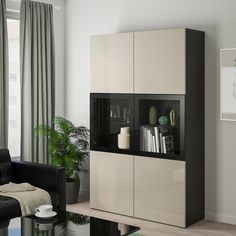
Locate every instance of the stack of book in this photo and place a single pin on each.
(153, 140)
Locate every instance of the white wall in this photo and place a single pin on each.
(58, 13)
(216, 17)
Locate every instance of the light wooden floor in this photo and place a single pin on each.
(204, 228)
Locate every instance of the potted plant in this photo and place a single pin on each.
(67, 147)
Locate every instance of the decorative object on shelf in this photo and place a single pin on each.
(163, 120)
(172, 117)
(68, 147)
(118, 111)
(164, 128)
(152, 115)
(168, 143)
(124, 138)
(228, 84)
(113, 112)
(126, 114)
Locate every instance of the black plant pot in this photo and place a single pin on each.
(72, 192)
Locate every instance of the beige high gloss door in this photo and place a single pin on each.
(112, 63)
(159, 190)
(159, 66)
(111, 182)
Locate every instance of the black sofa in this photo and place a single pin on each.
(47, 177)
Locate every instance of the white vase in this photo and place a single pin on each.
(124, 138)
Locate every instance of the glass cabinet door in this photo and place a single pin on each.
(111, 122)
(159, 126)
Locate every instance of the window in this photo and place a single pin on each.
(14, 87)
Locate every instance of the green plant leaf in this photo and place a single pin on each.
(67, 145)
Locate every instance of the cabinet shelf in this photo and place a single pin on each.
(112, 150)
(114, 122)
(170, 156)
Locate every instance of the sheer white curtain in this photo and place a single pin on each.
(3, 76)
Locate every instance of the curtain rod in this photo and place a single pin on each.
(18, 1)
(18, 11)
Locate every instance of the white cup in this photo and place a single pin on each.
(44, 209)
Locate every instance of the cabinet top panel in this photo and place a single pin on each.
(143, 31)
(94, 36)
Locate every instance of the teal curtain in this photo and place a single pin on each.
(37, 77)
(3, 76)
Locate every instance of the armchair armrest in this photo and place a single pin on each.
(47, 177)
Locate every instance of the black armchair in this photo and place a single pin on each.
(50, 178)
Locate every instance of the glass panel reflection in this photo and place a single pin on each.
(67, 224)
(111, 114)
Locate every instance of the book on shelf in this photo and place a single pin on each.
(161, 142)
(154, 143)
(152, 139)
(156, 132)
(149, 141)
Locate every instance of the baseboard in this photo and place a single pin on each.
(228, 219)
